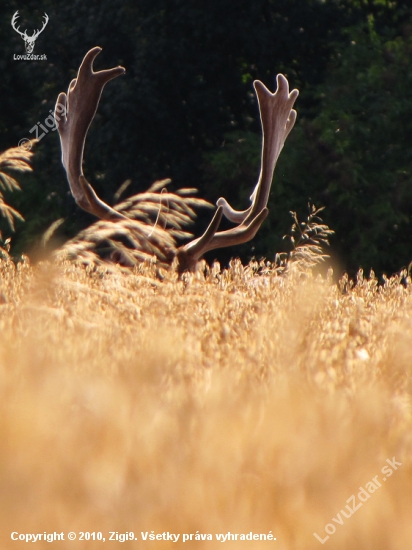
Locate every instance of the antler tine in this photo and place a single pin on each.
(38, 32)
(190, 253)
(13, 24)
(277, 118)
(74, 113)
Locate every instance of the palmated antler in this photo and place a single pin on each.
(132, 237)
(74, 113)
(277, 118)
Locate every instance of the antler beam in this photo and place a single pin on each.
(75, 112)
(278, 118)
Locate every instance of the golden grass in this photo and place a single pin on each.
(232, 402)
(154, 221)
(15, 159)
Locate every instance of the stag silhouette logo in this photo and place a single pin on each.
(29, 41)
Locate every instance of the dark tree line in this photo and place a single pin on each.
(185, 109)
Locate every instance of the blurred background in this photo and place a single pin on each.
(186, 110)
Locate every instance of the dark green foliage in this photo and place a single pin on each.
(186, 109)
(355, 157)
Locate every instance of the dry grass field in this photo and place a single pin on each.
(230, 402)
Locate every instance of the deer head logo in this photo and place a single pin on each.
(29, 41)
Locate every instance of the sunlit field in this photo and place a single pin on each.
(235, 401)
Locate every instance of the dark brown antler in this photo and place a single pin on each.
(277, 117)
(74, 113)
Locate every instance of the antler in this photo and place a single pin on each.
(24, 34)
(36, 34)
(76, 110)
(13, 24)
(277, 118)
(74, 113)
